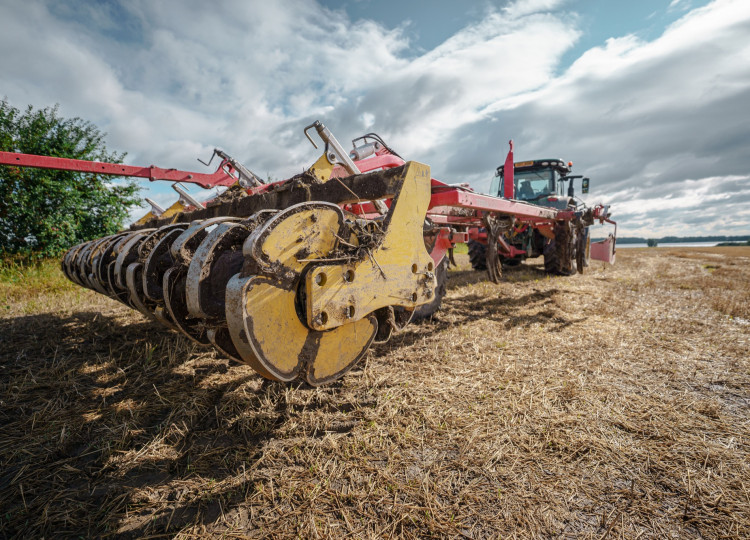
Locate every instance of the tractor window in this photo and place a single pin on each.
(529, 184)
(534, 184)
(496, 187)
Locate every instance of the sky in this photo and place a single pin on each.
(648, 98)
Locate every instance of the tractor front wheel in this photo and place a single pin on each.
(477, 255)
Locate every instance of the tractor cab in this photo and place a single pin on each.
(541, 181)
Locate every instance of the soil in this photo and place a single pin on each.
(614, 403)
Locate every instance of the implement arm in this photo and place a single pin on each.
(226, 174)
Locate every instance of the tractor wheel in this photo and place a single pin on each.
(477, 255)
(426, 311)
(559, 253)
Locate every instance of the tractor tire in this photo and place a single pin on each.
(559, 253)
(477, 255)
(426, 311)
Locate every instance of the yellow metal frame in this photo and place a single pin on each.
(172, 211)
(323, 168)
(398, 272)
(261, 308)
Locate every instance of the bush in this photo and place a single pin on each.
(44, 212)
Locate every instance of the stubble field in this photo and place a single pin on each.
(611, 404)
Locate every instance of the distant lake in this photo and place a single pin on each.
(670, 244)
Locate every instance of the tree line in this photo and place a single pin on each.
(679, 239)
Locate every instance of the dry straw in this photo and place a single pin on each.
(613, 404)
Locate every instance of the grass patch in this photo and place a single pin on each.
(22, 280)
(461, 248)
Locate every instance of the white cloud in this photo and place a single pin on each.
(520, 8)
(238, 75)
(169, 81)
(641, 118)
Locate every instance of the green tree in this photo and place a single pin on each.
(43, 212)
(652, 242)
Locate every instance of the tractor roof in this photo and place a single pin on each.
(558, 164)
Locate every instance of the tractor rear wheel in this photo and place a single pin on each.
(477, 255)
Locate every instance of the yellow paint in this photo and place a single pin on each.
(400, 272)
(311, 232)
(172, 211)
(341, 348)
(236, 311)
(277, 335)
(322, 168)
(281, 344)
(142, 221)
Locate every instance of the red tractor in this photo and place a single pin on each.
(566, 245)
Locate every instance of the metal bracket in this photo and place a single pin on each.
(247, 178)
(155, 208)
(398, 272)
(336, 155)
(185, 197)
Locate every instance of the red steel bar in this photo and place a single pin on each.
(219, 178)
(476, 201)
(508, 172)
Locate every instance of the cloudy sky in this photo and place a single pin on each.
(650, 98)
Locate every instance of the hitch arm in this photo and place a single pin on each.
(219, 178)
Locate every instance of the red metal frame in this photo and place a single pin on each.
(508, 171)
(449, 206)
(457, 198)
(222, 177)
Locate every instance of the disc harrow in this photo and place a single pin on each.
(296, 293)
(299, 277)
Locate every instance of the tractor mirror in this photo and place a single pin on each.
(585, 185)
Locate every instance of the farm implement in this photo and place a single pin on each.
(298, 278)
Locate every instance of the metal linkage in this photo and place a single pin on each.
(246, 177)
(219, 178)
(334, 152)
